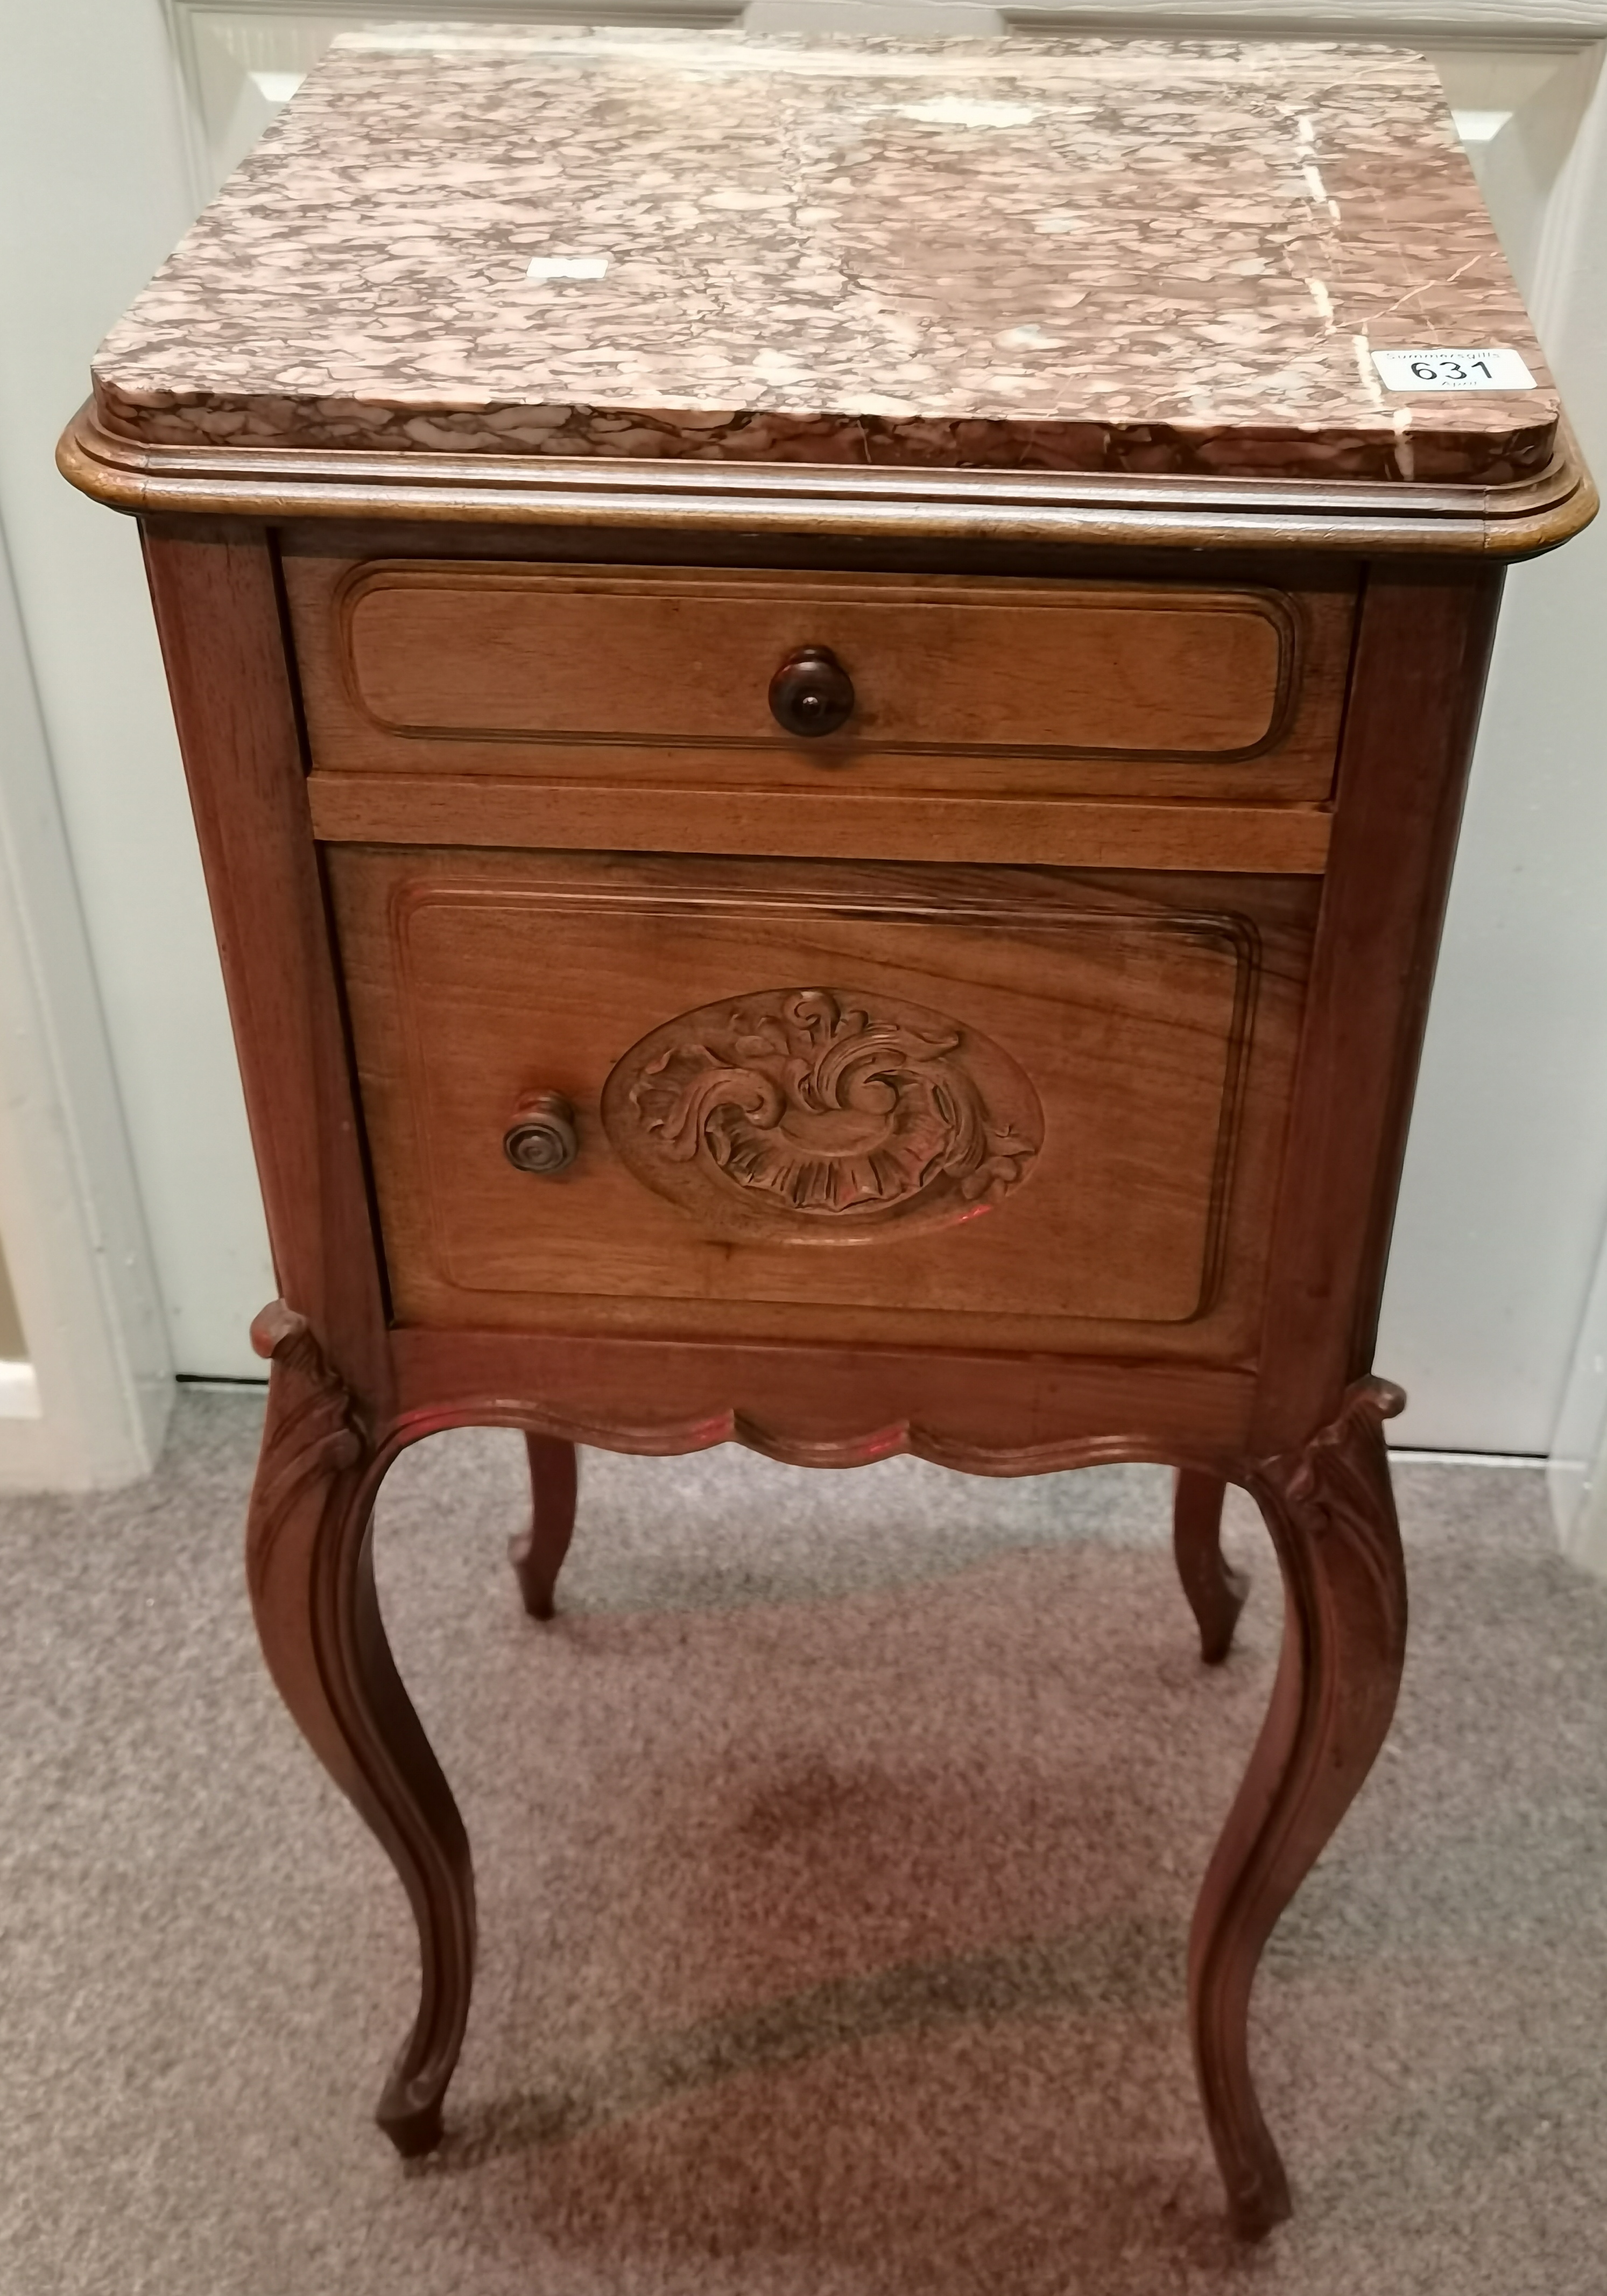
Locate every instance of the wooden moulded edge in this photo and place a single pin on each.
(983, 1414)
(742, 587)
(1272, 838)
(998, 507)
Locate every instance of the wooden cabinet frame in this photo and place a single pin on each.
(1299, 1423)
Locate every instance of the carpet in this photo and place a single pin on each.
(835, 1849)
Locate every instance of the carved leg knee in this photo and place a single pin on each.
(1332, 1515)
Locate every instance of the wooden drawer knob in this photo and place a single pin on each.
(542, 1137)
(812, 693)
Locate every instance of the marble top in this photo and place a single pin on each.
(1063, 255)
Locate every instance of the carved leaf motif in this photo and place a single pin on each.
(1339, 1486)
(821, 1108)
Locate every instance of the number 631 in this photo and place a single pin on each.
(1449, 371)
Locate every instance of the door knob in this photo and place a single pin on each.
(542, 1137)
(812, 693)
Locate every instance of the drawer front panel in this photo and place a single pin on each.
(987, 686)
(868, 1102)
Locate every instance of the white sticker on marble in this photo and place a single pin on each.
(1492, 369)
(567, 266)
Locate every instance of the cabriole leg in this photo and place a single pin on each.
(537, 1555)
(1332, 1515)
(1216, 1592)
(309, 1561)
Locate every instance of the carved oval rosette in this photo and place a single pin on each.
(822, 1116)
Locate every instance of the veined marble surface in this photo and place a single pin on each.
(1068, 255)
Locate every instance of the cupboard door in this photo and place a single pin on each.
(1021, 1107)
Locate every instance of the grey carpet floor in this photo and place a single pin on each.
(835, 1850)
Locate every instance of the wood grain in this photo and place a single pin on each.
(217, 614)
(837, 822)
(309, 1565)
(1331, 1512)
(1017, 1077)
(537, 1554)
(1156, 1021)
(794, 506)
(1423, 653)
(827, 1407)
(542, 654)
(971, 686)
(1146, 1287)
(825, 1115)
(1216, 1592)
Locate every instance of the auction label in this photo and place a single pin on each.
(1486, 370)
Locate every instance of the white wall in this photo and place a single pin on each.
(91, 1405)
(1507, 1184)
(95, 191)
(1505, 1188)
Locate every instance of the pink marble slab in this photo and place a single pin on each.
(1063, 255)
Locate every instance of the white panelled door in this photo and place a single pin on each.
(137, 108)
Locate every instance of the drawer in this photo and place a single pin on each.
(1001, 1106)
(980, 686)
